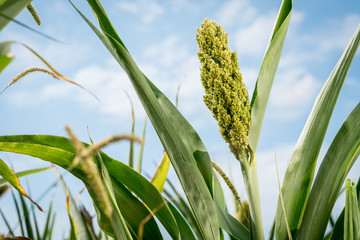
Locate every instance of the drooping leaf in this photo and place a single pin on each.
(10, 177)
(59, 151)
(299, 174)
(337, 162)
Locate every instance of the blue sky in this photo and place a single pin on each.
(161, 37)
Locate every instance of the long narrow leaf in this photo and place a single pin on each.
(59, 151)
(337, 162)
(26, 216)
(267, 72)
(7, 223)
(78, 226)
(47, 231)
(25, 173)
(338, 230)
(352, 213)
(119, 224)
(299, 174)
(182, 160)
(19, 215)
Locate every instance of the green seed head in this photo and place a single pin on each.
(225, 93)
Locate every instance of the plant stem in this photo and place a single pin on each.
(250, 177)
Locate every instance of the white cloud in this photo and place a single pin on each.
(129, 7)
(249, 77)
(167, 64)
(252, 39)
(106, 83)
(149, 10)
(334, 35)
(236, 12)
(167, 53)
(180, 5)
(293, 90)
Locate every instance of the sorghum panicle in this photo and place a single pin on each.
(225, 93)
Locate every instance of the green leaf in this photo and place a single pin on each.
(11, 9)
(78, 225)
(139, 162)
(7, 223)
(267, 72)
(26, 216)
(184, 208)
(119, 224)
(10, 177)
(338, 230)
(25, 173)
(185, 230)
(299, 174)
(5, 55)
(47, 229)
(59, 150)
(352, 213)
(19, 215)
(231, 225)
(337, 162)
(182, 159)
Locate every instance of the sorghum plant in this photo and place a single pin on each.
(136, 201)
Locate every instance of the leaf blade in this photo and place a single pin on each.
(267, 72)
(299, 174)
(341, 155)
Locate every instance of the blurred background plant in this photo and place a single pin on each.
(135, 201)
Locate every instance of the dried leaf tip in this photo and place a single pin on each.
(225, 93)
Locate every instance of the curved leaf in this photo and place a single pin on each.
(59, 150)
(299, 174)
(337, 162)
(10, 177)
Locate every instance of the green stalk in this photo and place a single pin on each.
(139, 162)
(250, 177)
